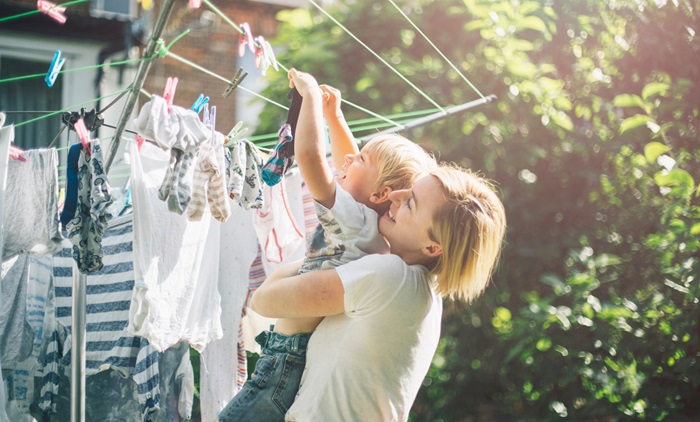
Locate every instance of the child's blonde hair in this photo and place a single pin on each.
(400, 162)
(470, 228)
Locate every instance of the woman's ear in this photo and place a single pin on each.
(380, 196)
(433, 250)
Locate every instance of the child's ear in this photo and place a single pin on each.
(380, 196)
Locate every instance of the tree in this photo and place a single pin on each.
(594, 309)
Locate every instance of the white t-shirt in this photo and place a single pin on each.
(345, 232)
(368, 363)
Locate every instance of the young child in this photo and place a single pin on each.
(348, 210)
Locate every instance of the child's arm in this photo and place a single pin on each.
(342, 141)
(309, 142)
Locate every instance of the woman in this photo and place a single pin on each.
(368, 357)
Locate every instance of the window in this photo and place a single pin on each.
(22, 95)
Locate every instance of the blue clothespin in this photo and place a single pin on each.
(199, 103)
(54, 68)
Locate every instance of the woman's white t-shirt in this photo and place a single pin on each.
(368, 363)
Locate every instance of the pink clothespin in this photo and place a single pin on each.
(246, 37)
(195, 4)
(139, 141)
(54, 11)
(169, 92)
(16, 153)
(83, 135)
(260, 56)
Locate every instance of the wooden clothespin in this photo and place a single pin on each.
(54, 68)
(83, 135)
(235, 82)
(169, 92)
(52, 10)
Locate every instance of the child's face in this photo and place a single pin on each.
(359, 174)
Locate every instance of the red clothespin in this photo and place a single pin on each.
(246, 37)
(169, 92)
(83, 135)
(54, 11)
(195, 4)
(16, 153)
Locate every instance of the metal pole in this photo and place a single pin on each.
(141, 73)
(435, 116)
(79, 279)
(77, 381)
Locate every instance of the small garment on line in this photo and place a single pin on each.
(277, 231)
(31, 220)
(154, 122)
(209, 184)
(281, 158)
(91, 217)
(16, 333)
(243, 174)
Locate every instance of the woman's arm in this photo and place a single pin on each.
(286, 295)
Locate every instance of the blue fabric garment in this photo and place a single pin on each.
(71, 201)
(108, 344)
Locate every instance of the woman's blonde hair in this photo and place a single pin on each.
(400, 161)
(470, 228)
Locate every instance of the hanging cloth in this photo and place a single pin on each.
(91, 217)
(31, 222)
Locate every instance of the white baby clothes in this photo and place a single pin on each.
(31, 205)
(157, 124)
(176, 263)
(238, 248)
(278, 233)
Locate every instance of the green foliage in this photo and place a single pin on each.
(594, 310)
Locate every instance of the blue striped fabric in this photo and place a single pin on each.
(108, 343)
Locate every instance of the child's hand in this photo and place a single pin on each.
(331, 102)
(304, 83)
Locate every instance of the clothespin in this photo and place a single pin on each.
(199, 103)
(270, 54)
(195, 4)
(235, 134)
(205, 115)
(139, 141)
(169, 92)
(54, 68)
(146, 4)
(212, 122)
(246, 37)
(261, 60)
(235, 82)
(54, 11)
(16, 153)
(83, 135)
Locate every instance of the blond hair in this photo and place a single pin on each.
(470, 228)
(400, 162)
